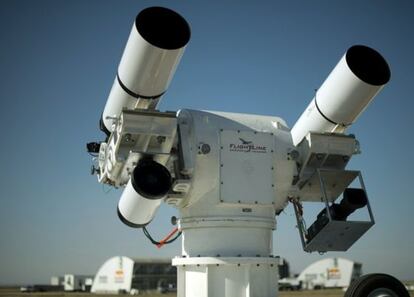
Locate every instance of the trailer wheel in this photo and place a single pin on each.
(377, 285)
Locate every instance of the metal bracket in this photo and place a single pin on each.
(335, 235)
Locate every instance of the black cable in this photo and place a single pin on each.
(153, 241)
(149, 236)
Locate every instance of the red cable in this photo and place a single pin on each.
(162, 242)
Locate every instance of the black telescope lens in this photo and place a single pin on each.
(163, 28)
(151, 179)
(354, 198)
(368, 65)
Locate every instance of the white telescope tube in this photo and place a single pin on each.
(135, 210)
(151, 56)
(347, 91)
(149, 183)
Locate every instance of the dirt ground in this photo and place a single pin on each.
(16, 293)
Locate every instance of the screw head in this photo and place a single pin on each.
(205, 148)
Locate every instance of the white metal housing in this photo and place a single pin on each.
(251, 152)
(227, 276)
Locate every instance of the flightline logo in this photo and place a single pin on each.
(247, 147)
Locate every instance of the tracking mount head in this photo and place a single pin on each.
(228, 174)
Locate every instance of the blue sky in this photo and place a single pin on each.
(58, 60)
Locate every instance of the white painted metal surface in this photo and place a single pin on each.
(227, 230)
(137, 132)
(146, 69)
(229, 276)
(135, 208)
(244, 155)
(344, 95)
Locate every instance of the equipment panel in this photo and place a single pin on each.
(246, 167)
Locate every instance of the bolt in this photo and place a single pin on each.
(293, 154)
(128, 137)
(161, 139)
(205, 148)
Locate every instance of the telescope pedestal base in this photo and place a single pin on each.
(227, 276)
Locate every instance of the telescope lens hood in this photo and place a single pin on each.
(163, 28)
(368, 65)
(151, 179)
(354, 199)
